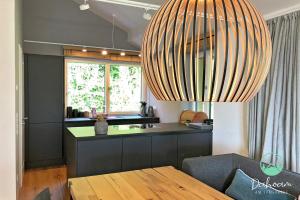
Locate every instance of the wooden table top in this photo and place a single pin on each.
(164, 183)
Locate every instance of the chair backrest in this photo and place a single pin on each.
(44, 195)
(216, 171)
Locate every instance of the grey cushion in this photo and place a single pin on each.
(218, 172)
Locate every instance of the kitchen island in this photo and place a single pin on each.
(131, 147)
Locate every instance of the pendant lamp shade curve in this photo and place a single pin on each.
(206, 50)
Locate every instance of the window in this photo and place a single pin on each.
(108, 87)
(125, 88)
(86, 86)
(203, 106)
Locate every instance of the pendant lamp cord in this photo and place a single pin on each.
(113, 32)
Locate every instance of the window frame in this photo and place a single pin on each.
(206, 107)
(107, 64)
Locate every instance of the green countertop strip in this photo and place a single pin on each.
(82, 131)
(115, 130)
(89, 131)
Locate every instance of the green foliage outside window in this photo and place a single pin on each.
(125, 88)
(86, 87)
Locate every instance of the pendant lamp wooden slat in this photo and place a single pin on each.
(206, 50)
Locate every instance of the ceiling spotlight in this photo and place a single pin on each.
(140, 55)
(84, 6)
(147, 16)
(84, 50)
(104, 52)
(122, 53)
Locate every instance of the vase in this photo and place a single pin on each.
(101, 128)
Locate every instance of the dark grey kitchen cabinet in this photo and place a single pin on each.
(98, 157)
(70, 154)
(44, 144)
(193, 145)
(164, 145)
(164, 150)
(136, 153)
(45, 77)
(44, 108)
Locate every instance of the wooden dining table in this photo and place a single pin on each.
(164, 183)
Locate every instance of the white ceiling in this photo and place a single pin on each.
(131, 19)
(270, 8)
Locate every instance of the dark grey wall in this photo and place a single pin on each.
(61, 21)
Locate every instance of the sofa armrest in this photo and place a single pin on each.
(215, 171)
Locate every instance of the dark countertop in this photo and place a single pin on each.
(79, 119)
(88, 132)
(112, 120)
(120, 117)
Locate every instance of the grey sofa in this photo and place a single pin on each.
(218, 172)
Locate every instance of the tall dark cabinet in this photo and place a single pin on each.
(44, 108)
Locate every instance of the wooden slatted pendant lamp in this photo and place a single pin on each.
(206, 50)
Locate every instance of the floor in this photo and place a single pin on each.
(37, 180)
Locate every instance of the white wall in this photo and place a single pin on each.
(7, 101)
(19, 77)
(230, 128)
(230, 123)
(167, 111)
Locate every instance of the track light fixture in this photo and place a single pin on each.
(147, 16)
(84, 6)
(129, 3)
